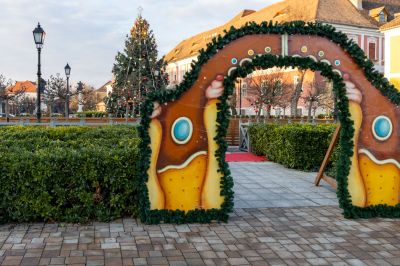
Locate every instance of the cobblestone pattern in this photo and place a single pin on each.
(273, 236)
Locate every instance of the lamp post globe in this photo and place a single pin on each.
(67, 69)
(38, 36)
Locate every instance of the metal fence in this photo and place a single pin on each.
(53, 122)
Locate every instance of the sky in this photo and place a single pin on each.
(88, 33)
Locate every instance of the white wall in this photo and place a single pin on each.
(388, 56)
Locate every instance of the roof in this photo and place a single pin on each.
(104, 87)
(376, 11)
(392, 6)
(328, 11)
(392, 24)
(23, 86)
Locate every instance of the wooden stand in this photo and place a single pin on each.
(321, 176)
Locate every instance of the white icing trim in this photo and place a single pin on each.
(338, 71)
(245, 60)
(231, 70)
(326, 61)
(313, 58)
(185, 164)
(379, 162)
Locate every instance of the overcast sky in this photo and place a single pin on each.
(88, 33)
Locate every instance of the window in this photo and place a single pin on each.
(382, 17)
(372, 50)
(263, 84)
(244, 89)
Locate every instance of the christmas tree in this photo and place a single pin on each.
(137, 70)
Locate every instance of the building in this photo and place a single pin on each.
(101, 93)
(392, 48)
(25, 93)
(26, 88)
(360, 20)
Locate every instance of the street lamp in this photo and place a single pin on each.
(67, 69)
(38, 36)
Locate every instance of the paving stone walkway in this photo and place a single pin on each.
(298, 234)
(272, 236)
(267, 184)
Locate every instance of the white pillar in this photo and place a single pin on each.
(80, 105)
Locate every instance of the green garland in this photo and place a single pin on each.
(264, 61)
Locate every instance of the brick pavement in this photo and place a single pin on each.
(272, 236)
(305, 232)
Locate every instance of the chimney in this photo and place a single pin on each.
(357, 4)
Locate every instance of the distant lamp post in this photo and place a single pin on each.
(38, 36)
(240, 98)
(80, 98)
(67, 69)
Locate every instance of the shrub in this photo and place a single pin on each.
(295, 146)
(70, 174)
(92, 114)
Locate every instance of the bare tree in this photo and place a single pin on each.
(294, 100)
(55, 94)
(317, 94)
(24, 104)
(9, 93)
(232, 101)
(266, 89)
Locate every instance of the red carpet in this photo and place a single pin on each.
(244, 157)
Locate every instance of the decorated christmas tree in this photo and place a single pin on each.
(137, 70)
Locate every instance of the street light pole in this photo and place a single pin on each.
(38, 101)
(240, 97)
(67, 69)
(38, 36)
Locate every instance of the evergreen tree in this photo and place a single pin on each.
(137, 70)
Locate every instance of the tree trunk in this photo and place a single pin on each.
(310, 104)
(7, 108)
(294, 101)
(259, 111)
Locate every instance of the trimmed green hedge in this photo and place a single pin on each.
(297, 146)
(70, 174)
(92, 114)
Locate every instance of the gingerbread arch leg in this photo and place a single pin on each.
(211, 195)
(355, 180)
(156, 195)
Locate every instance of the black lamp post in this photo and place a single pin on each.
(38, 36)
(240, 98)
(67, 69)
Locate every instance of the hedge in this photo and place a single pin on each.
(296, 146)
(67, 174)
(92, 114)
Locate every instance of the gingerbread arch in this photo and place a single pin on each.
(183, 173)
